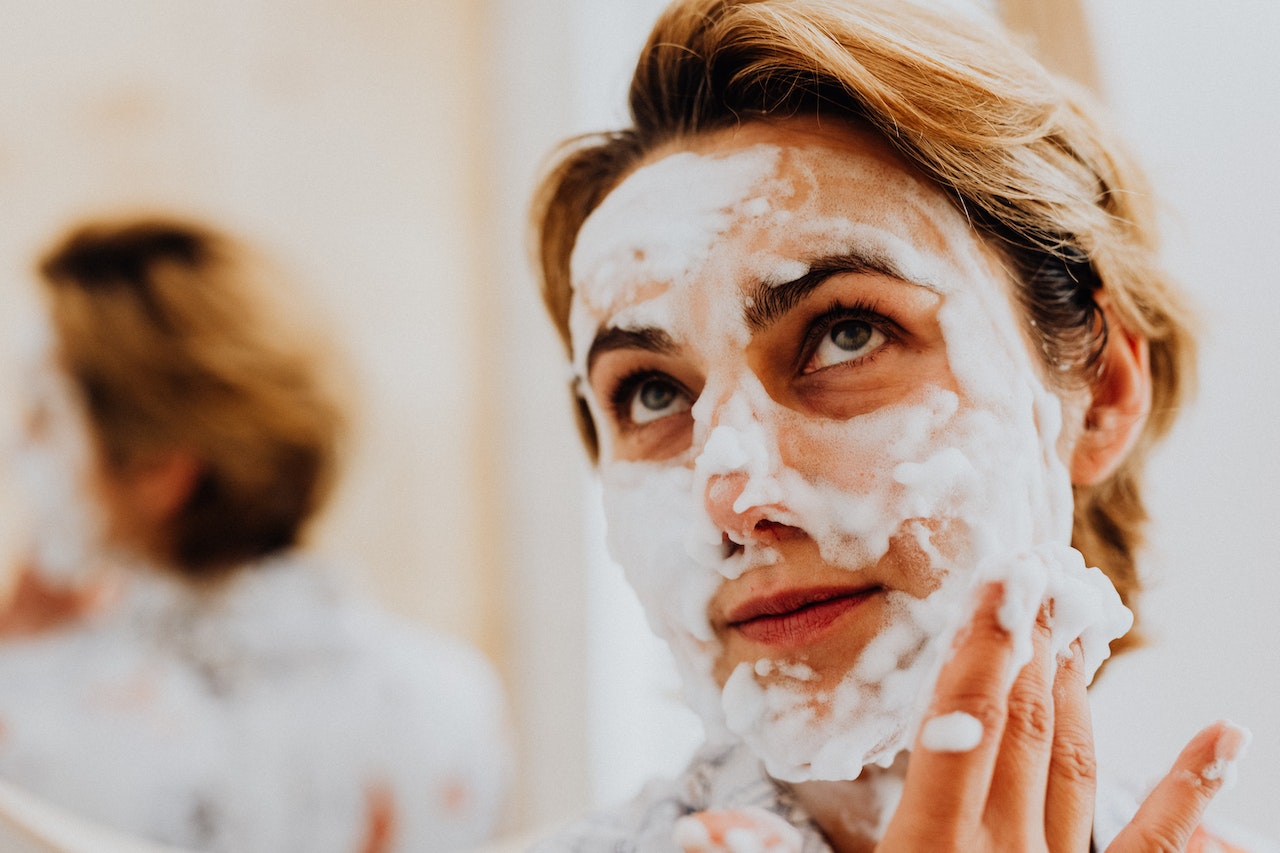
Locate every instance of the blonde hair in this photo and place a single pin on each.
(1019, 152)
(163, 328)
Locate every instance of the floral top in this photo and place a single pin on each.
(277, 713)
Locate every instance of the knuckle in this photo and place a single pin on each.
(1198, 788)
(1074, 760)
(989, 710)
(1072, 664)
(1158, 839)
(1030, 717)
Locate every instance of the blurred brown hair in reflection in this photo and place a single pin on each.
(167, 331)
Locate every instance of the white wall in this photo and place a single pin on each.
(1196, 87)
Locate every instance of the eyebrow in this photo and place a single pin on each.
(648, 338)
(769, 302)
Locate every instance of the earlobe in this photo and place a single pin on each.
(1118, 409)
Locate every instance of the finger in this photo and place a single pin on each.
(1016, 806)
(949, 775)
(1172, 811)
(1073, 772)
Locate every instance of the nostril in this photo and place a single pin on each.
(729, 548)
(766, 529)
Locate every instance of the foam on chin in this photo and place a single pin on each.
(980, 462)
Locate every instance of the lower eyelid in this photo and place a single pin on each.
(857, 361)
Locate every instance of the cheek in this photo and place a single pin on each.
(652, 532)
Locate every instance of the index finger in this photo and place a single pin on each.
(949, 775)
(1170, 814)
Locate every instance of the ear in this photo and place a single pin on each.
(1117, 412)
(160, 486)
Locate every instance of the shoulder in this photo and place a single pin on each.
(643, 823)
(720, 777)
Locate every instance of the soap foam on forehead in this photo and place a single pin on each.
(657, 227)
(660, 227)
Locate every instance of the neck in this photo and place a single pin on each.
(853, 814)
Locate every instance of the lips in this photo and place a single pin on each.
(795, 617)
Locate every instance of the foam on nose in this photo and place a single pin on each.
(740, 444)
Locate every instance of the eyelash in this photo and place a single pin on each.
(838, 312)
(624, 391)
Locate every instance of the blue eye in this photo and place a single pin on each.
(656, 398)
(846, 340)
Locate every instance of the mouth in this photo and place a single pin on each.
(795, 618)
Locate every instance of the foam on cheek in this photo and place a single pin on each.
(984, 461)
(853, 526)
(649, 510)
(650, 513)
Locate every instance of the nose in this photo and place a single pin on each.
(738, 463)
(726, 510)
(741, 519)
(741, 495)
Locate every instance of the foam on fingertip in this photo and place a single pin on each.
(954, 732)
(1231, 745)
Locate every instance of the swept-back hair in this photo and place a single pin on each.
(164, 329)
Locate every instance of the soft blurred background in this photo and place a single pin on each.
(385, 153)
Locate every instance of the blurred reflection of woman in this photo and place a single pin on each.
(174, 666)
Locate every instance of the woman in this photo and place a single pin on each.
(176, 666)
(868, 331)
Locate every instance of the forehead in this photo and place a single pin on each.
(757, 204)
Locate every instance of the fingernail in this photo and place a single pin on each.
(1229, 748)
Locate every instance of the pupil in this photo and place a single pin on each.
(850, 335)
(656, 395)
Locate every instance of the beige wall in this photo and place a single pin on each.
(341, 138)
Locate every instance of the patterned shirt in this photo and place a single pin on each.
(730, 776)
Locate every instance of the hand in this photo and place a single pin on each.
(748, 830)
(1014, 770)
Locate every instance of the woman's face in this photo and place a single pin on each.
(57, 468)
(818, 420)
